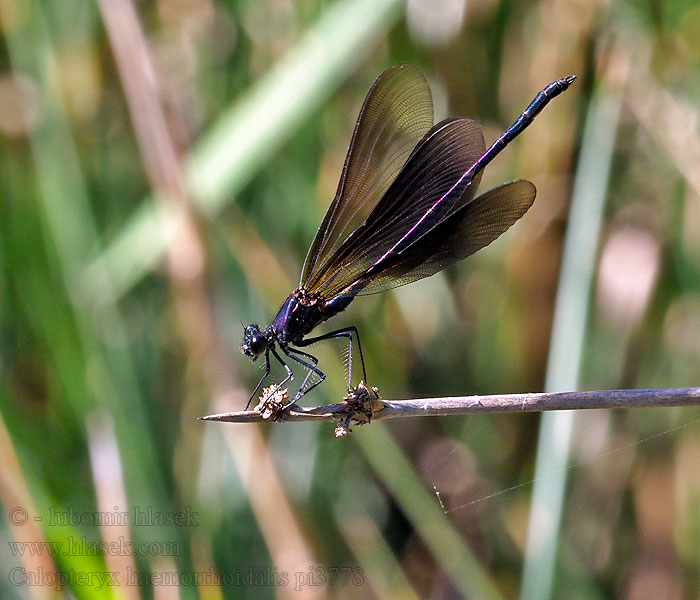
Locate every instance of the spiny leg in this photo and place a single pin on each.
(291, 353)
(289, 376)
(257, 387)
(311, 357)
(344, 332)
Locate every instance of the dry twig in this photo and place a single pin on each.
(362, 405)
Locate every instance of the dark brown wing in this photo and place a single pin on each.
(396, 114)
(429, 188)
(464, 232)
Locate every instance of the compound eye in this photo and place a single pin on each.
(254, 342)
(258, 344)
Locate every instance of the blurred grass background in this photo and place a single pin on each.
(164, 167)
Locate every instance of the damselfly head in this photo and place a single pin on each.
(254, 341)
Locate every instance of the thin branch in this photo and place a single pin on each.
(463, 405)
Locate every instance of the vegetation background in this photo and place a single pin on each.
(163, 168)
